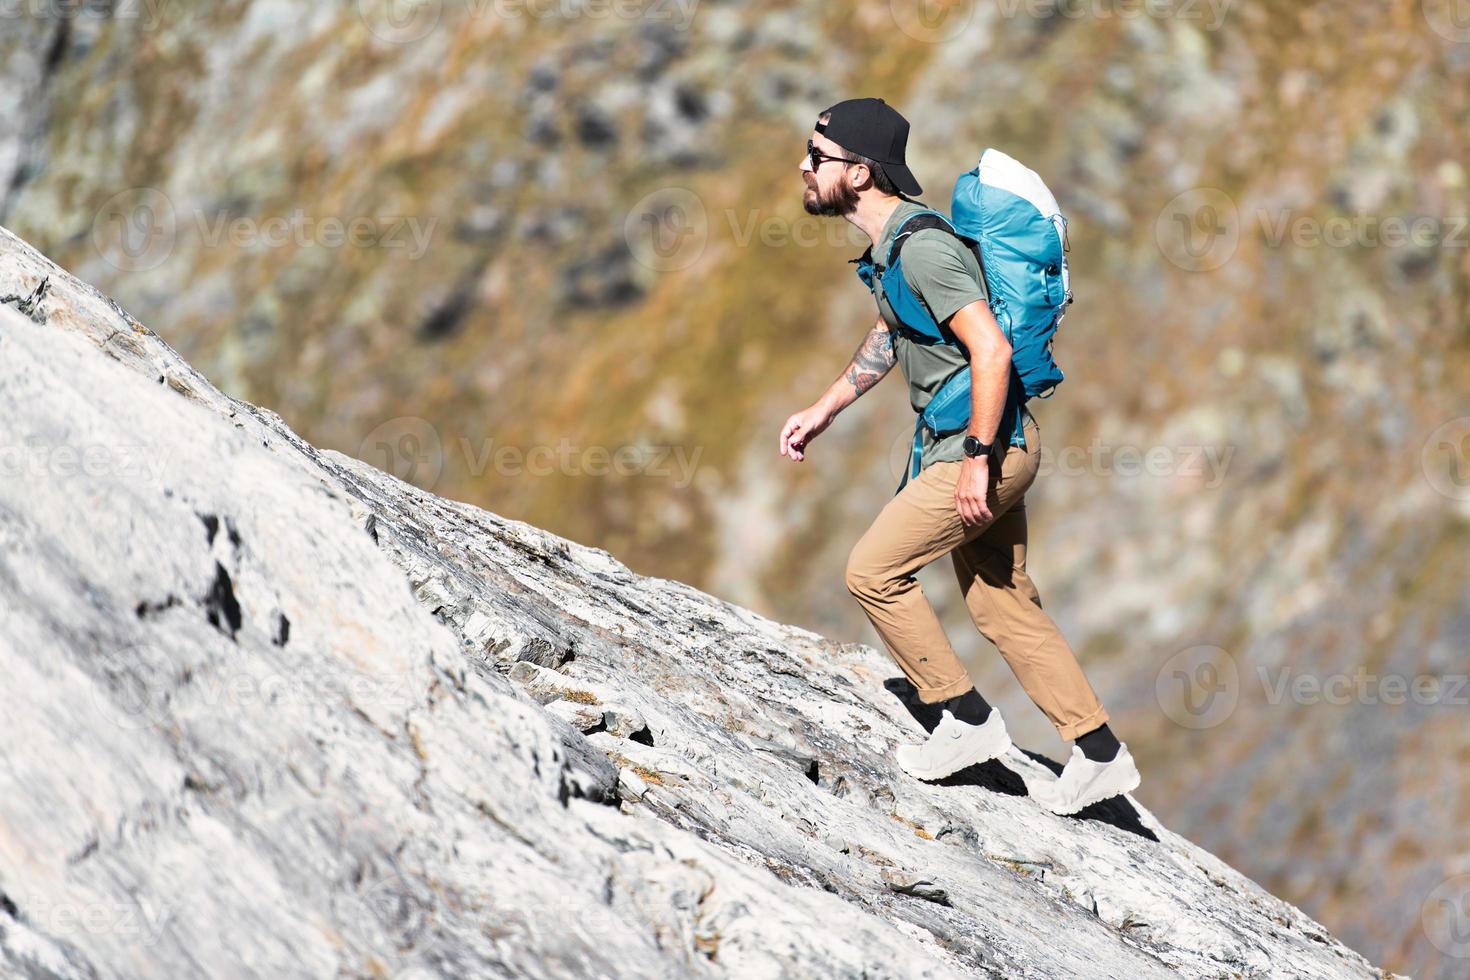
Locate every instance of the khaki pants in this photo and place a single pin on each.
(919, 525)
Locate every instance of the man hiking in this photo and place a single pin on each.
(967, 499)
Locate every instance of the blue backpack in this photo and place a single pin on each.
(1005, 213)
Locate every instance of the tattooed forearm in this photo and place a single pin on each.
(872, 359)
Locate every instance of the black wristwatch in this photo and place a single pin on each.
(974, 447)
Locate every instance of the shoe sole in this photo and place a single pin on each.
(932, 774)
(1132, 783)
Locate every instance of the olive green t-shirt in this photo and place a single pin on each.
(945, 275)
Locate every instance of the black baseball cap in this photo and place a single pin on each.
(874, 129)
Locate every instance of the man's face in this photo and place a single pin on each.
(829, 190)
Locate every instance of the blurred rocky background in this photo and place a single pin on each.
(549, 257)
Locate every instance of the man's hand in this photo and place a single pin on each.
(972, 489)
(802, 428)
(869, 364)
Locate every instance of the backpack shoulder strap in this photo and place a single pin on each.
(917, 222)
(864, 269)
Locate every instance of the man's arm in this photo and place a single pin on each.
(937, 268)
(990, 378)
(872, 360)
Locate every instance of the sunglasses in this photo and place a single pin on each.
(818, 157)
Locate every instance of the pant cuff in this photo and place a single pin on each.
(929, 695)
(1071, 730)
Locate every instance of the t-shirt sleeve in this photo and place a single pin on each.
(934, 267)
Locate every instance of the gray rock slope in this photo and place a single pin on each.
(273, 713)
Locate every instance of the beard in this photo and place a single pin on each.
(842, 200)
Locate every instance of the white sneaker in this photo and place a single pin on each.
(1084, 782)
(953, 745)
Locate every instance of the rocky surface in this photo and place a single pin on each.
(277, 713)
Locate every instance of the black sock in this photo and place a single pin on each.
(1100, 744)
(969, 707)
